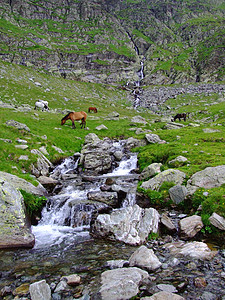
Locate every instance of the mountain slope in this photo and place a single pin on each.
(110, 41)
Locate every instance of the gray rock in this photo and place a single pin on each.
(217, 221)
(178, 193)
(178, 161)
(163, 296)
(190, 226)
(14, 229)
(40, 290)
(170, 175)
(43, 164)
(130, 225)
(138, 119)
(109, 198)
(18, 125)
(150, 171)
(193, 250)
(91, 138)
(20, 183)
(115, 264)
(101, 127)
(166, 221)
(208, 178)
(145, 258)
(122, 283)
(97, 162)
(154, 139)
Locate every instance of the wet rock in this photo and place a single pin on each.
(163, 296)
(131, 225)
(40, 290)
(72, 280)
(167, 222)
(115, 264)
(145, 258)
(194, 250)
(190, 226)
(122, 283)
(109, 198)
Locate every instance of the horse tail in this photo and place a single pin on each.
(96, 109)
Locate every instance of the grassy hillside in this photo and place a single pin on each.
(201, 141)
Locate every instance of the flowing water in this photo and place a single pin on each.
(64, 246)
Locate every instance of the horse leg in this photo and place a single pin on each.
(73, 125)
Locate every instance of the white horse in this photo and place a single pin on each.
(41, 104)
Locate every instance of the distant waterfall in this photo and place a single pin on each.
(140, 73)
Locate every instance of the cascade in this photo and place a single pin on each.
(140, 73)
(67, 215)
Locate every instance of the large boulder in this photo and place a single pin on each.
(208, 178)
(122, 283)
(20, 183)
(14, 228)
(170, 175)
(131, 225)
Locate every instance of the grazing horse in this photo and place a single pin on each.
(179, 117)
(94, 109)
(41, 104)
(75, 116)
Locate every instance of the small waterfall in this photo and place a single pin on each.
(67, 215)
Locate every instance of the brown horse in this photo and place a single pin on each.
(94, 109)
(75, 116)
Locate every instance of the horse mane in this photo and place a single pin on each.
(64, 118)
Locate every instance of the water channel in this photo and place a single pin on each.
(64, 246)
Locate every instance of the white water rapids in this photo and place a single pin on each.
(66, 217)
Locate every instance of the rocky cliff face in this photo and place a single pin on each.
(126, 43)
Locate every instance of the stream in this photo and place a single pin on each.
(63, 245)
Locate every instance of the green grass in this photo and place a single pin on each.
(18, 88)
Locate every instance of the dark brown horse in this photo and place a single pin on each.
(75, 116)
(179, 117)
(94, 109)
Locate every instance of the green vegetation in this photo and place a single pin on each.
(34, 204)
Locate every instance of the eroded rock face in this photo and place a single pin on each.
(14, 228)
(130, 225)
